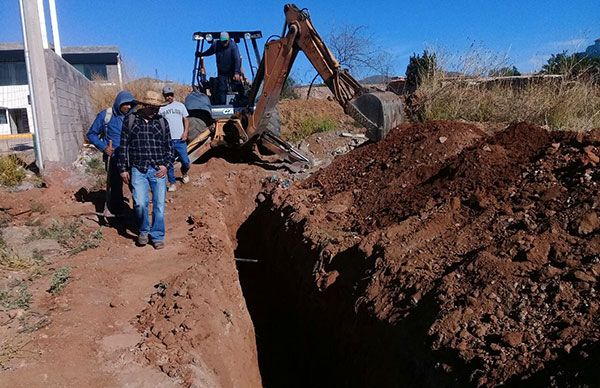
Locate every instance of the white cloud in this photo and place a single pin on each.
(536, 62)
(568, 44)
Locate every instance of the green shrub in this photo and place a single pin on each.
(310, 125)
(11, 173)
(20, 299)
(59, 279)
(420, 67)
(63, 232)
(95, 166)
(505, 71)
(576, 65)
(93, 241)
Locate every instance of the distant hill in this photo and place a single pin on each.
(593, 51)
(376, 79)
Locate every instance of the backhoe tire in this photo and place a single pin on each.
(197, 126)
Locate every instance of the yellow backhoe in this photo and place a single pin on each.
(254, 120)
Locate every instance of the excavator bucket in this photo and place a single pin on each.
(378, 112)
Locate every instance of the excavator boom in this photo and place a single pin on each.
(378, 111)
(258, 125)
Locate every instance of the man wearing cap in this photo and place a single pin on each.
(177, 116)
(229, 64)
(105, 134)
(145, 157)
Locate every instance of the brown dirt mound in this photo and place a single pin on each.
(440, 256)
(418, 165)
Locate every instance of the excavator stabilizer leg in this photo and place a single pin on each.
(378, 112)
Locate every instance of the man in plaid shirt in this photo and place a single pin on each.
(145, 156)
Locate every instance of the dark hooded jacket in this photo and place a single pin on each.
(229, 61)
(98, 136)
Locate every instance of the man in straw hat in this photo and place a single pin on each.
(145, 157)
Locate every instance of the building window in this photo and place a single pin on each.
(13, 73)
(3, 118)
(92, 71)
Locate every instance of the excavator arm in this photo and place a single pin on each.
(377, 111)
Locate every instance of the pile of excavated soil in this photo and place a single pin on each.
(440, 256)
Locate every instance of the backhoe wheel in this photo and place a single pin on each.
(197, 126)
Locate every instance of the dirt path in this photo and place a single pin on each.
(93, 337)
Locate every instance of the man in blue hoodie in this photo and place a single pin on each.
(105, 134)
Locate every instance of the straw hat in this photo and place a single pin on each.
(152, 98)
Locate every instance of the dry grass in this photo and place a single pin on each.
(558, 103)
(103, 96)
(12, 261)
(301, 118)
(310, 125)
(573, 105)
(10, 349)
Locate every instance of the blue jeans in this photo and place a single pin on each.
(141, 182)
(180, 149)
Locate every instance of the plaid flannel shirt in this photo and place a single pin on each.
(145, 145)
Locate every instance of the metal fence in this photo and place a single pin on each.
(14, 144)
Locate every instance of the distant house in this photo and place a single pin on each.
(97, 63)
(593, 51)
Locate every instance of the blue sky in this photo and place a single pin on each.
(155, 36)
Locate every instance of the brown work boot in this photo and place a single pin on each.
(142, 239)
(158, 244)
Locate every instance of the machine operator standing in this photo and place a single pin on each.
(229, 64)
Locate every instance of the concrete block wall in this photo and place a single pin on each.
(71, 105)
(112, 74)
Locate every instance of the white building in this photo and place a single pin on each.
(97, 63)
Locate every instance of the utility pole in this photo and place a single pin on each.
(37, 75)
(54, 23)
(42, 19)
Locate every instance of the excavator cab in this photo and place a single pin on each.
(237, 95)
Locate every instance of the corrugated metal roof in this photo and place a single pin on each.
(8, 46)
